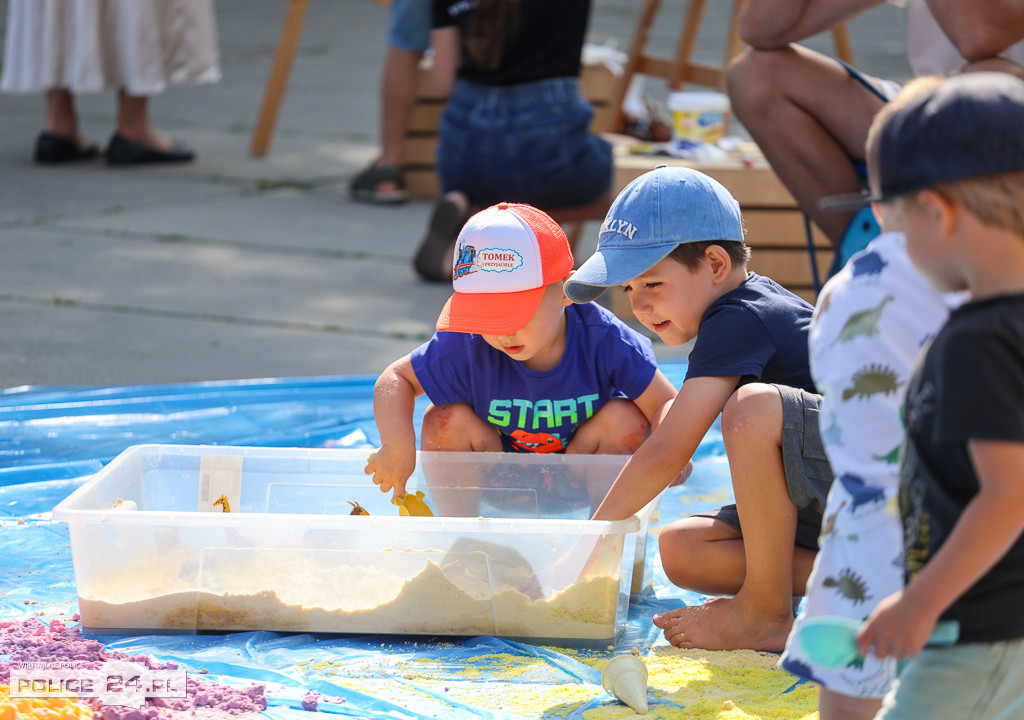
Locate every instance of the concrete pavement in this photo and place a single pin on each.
(236, 267)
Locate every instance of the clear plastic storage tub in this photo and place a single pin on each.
(189, 538)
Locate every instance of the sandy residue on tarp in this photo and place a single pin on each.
(705, 685)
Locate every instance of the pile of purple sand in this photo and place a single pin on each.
(30, 640)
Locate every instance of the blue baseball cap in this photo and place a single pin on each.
(656, 212)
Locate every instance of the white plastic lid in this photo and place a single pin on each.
(710, 101)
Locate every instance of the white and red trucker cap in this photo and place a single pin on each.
(505, 257)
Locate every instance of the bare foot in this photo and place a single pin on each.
(725, 624)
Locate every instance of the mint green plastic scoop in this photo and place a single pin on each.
(829, 640)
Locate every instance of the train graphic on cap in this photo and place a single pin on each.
(467, 259)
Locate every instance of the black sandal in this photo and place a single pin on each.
(365, 186)
(434, 258)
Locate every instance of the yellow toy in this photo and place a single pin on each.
(223, 502)
(413, 505)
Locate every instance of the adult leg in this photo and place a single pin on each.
(408, 38)
(760, 614)
(61, 116)
(137, 141)
(399, 85)
(433, 259)
(810, 118)
(61, 140)
(383, 182)
(133, 122)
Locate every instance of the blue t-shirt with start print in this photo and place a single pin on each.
(757, 332)
(538, 411)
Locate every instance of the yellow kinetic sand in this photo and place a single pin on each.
(682, 684)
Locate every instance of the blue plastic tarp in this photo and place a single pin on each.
(53, 439)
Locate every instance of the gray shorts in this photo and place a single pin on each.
(808, 473)
(962, 682)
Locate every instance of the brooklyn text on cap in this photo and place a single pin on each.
(965, 126)
(656, 212)
(505, 257)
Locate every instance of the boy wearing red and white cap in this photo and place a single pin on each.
(515, 366)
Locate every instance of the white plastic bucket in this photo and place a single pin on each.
(699, 116)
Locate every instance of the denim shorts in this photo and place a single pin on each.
(808, 473)
(410, 25)
(526, 143)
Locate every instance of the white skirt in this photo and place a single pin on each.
(91, 45)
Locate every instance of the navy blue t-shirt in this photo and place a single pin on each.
(758, 332)
(539, 410)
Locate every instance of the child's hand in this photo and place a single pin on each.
(683, 474)
(391, 467)
(896, 628)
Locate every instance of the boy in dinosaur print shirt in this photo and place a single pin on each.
(947, 165)
(514, 366)
(869, 325)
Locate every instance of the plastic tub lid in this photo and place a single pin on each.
(710, 101)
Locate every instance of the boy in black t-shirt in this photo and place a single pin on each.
(949, 165)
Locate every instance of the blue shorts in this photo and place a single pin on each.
(410, 25)
(527, 143)
(885, 90)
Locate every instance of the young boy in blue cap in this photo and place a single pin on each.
(515, 367)
(949, 165)
(673, 240)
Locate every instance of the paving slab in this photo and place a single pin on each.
(34, 194)
(273, 214)
(83, 346)
(350, 292)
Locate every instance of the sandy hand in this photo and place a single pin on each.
(683, 475)
(391, 467)
(591, 556)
